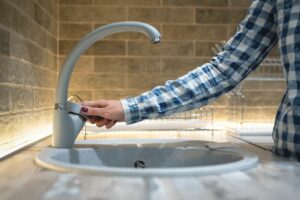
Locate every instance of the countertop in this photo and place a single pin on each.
(274, 178)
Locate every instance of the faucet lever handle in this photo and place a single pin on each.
(75, 108)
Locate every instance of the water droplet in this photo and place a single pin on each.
(139, 145)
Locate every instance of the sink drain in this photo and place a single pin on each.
(139, 164)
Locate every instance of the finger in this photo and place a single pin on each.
(92, 111)
(102, 122)
(97, 103)
(98, 118)
(99, 124)
(92, 119)
(110, 124)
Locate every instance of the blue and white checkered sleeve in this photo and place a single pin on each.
(241, 55)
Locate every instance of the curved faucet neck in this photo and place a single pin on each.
(98, 34)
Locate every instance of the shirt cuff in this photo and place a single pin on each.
(131, 111)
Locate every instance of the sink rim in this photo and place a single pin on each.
(44, 159)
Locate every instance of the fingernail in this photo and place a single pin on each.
(84, 109)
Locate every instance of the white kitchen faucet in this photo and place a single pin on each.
(68, 120)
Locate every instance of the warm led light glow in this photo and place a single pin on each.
(175, 129)
(15, 144)
(252, 126)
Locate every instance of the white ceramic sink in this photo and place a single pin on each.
(147, 158)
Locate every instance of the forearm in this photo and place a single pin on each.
(195, 89)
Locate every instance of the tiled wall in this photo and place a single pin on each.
(28, 67)
(127, 64)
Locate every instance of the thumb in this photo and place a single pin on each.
(92, 111)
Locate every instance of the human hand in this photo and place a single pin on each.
(103, 112)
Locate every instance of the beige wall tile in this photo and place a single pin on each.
(128, 2)
(42, 118)
(19, 23)
(4, 42)
(50, 6)
(161, 15)
(43, 98)
(195, 32)
(123, 65)
(274, 52)
(217, 3)
(80, 82)
(222, 101)
(26, 6)
(251, 85)
(76, 14)
(4, 99)
(37, 77)
(273, 85)
(75, 2)
(139, 48)
(91, 14)
(113, 94)
(143, 65)
(45, 19)
(205, 49)
(161, 79)
(110, 65)
(116, 48)
(220, 114)
(11, 126)
(96, 81)
(22, 99)
(73, 31)
(12, 71)
(25, 50)
(23, 73)
(180, 66)
(268, 71)
(110, 14)
(110, 82)
(251, 114)
(240, 3)
(27, 118)
(268, 113)
(262, 98)
(143, 81)
(220, 16)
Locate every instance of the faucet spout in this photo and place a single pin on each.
(66, 126)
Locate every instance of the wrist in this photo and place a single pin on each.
(130, 109)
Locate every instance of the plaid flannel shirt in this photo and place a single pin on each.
(267, 22)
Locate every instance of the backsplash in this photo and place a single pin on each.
(36, 35)
(28, 65)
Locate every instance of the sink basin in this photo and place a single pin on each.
(147, 158)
